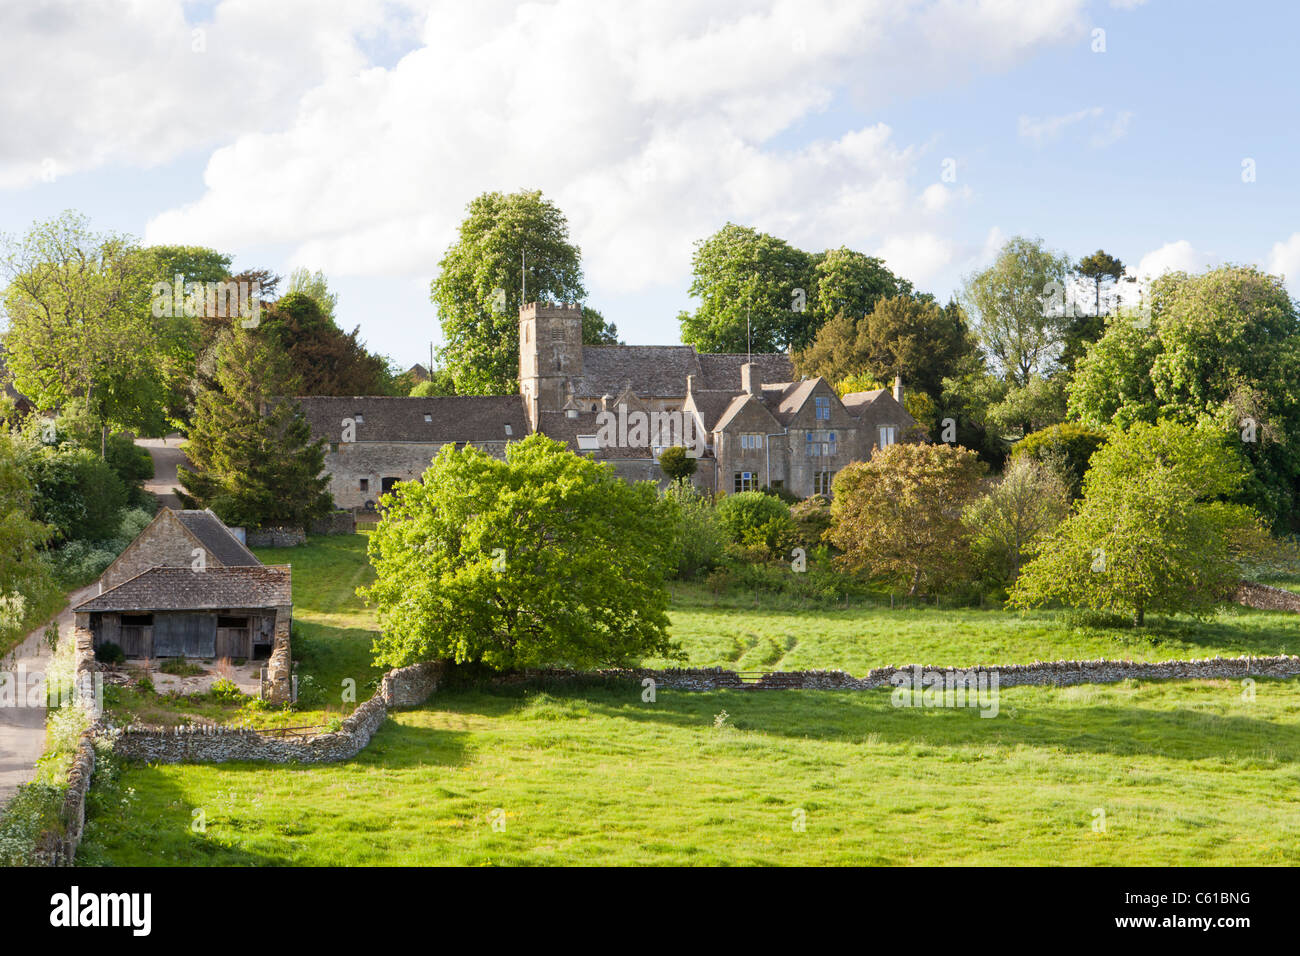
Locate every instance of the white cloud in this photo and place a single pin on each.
(1284, 260)
(1040, 131)
(131, 81)
(1178, 256)
(1114, 132)
(649, 124)
(918, 257)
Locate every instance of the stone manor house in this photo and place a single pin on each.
(753, 423)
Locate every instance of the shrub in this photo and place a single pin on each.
(180, 667)
(132, 463)
(1067, 447)
(676, 464)
(700, 538)
(74, 491)
(1009, 522)
(227, 691)
(33, 810)
(759, 523)
(785, 494)
(812, 519)
(110, 653)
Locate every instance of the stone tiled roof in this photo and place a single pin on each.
(712, 404)
(721, 370)
(458, 418)
(785, 400)
(653, 371)
(877, 408)
(855, 402)
(216, 537)
(181, 589)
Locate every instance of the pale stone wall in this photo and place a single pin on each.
(347, 463)
(165, 543)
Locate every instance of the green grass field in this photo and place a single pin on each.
(1185, 772)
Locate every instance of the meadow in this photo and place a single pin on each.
(1158, 773)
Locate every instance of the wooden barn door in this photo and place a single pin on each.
(185, 635)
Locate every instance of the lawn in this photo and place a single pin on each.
(1185, 772)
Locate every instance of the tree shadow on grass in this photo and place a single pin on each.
(1025, 720)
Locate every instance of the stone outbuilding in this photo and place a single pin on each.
(239, 612)
(179, 539)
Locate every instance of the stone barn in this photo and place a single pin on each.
(179, 539)
(237, 612)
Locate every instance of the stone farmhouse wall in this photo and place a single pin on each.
(347, 463)
(403, 687)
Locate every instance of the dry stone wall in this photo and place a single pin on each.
(1057, 673)
(1265, 597)
(403, 687)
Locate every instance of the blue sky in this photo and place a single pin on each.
(348, 137)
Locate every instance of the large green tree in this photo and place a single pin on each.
(322, 359)
(254, 460)
(80, 324)
(544, 558)
(756, 293)
(1017, 307)
(1154, 531)
(901, 335)
(477, 291)
(898, 516)
(1222, 346)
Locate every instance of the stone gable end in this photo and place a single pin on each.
(164, 543)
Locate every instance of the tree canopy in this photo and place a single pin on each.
(1223, 346)
(477, 291)
(898, 516)
(254, 460)
(544, 558)
(1154, 531)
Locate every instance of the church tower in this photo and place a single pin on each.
(550, 353)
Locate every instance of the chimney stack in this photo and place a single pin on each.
(749, 380)
(898, 389)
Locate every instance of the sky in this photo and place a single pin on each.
(348, 136)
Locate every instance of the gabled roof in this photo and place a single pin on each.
(213, 534)
(181, 589)
(654, 371)
(787, 398)
(738, 405)
(721, 370)
(455, 418)
(856, 401)
(711, 405)
(877, 407)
